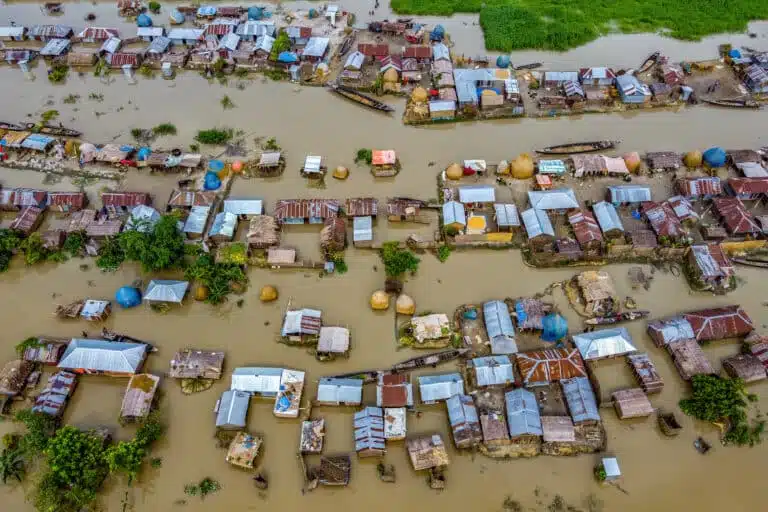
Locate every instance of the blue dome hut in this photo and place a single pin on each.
(437, 34)
(555, 327)
(734, 54)
(128, 297)
(255, 13)
(287, 58)
(143, 153)
(211, 182)
(177, 17)
(215, 165)
(502, 61)
(143, 20)
(714, 157)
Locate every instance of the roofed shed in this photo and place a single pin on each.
(746, 367)
(631, 403)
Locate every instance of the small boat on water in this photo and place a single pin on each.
(360, 98)
(649, 62)
(669, 424)
(58, 131)
(737, 103)
(751, 262)
(11, 126)
(532, 65)
(701, 445)
(615, 319)
(369, 376)
(578, 147)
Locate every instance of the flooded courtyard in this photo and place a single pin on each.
(659, 473)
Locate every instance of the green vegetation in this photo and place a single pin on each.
(600, 473)
(74, 245)
(9, 243)
(11, 465)
(96, 97)
(227, 103)
(282, 44)
(40, 428)
(154, 7)
(398, 261)
(364, 155)
(338, 261)
(128, 456)
(205, 487)
(58, 73)
(236, 253)
(164, 129)
(35, 251)
(276, 74)
(22, 346)
(146, 70)
(71, 99)
(214, 136)
(159, 248)
(49, 115)
(719, 400)
(110, 255)
(221, 279)
(556, 25)
(443, 252)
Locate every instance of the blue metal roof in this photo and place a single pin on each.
(581, 399)
(523, 416)
(498, 321)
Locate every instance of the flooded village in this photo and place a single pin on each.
(502, 315)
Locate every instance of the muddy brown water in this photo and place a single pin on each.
(659, 473)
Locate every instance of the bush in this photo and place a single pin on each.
(40, 428)
(154, 7)
(110, 255)
(282, 44)
(58, 73)
(227, 103)
(162, 248)
(217, 277)
(22, 346)
(443, 252)
(34, 252)
(74, 245)
(398, 261)
(364, 155)
(214, 136)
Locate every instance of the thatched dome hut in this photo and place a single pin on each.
(380, 300)
(693, 159)
(419, 95)
(522, 167)
(632, 161)
(391, 76)
(405, 305)
(341, 173)
(268, 293)
(454, 172)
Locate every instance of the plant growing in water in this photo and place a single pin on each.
(154, 7)
(22, 346)
(227, 103)
(58, 73)
(49, 115)
(443, 252)
(164, 129)
(214, 136)
(398, 261)
(364, 155)
(11, 465)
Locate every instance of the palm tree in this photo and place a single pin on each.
(11, 465)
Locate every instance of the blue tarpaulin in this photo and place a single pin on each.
(212, 182)
(206, 10)
(177, 17)
(255, 13)
(502, 61)
(143, 154)
(437, 34)
(734, 54)
(128, 297)
(714, 157)
(143, 20)
(287, 57)
(215, 165)
(555, 327)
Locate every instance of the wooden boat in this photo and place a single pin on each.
(669, 424)
(750, 262)
(430, 359)
(578, 147)
(649, 62)
(701, 445)
(360, 98)
(11, 126)
(58, 131)
(53, 8)
(347, 44)
(615, 319)
(532, 65)
(740, 103)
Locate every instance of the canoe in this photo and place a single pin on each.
(615, 319)
(58, 131)
(532, 65)
(430, 360)
(750, 262)
(669, 424)
(578, 147)
(701, 445)
(360, 98)
(745, 103)
(649, 62)
(11, 126)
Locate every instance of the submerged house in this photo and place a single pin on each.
(302, 211)
(703, 187)
(628, 194)
(603, 344)
(196, 222)
(631, 90)
(558, 200)
(139, 396)
(499, 326)
(260, 381)
(232, 410)
(586, 230)
(436, 388)
(454, 215)
(66, 202)
(166, 291)
(540, 367)
(756, 78)
(56, 393)
(394, 390)
(223, 227)
(427, 452)
(102, 357)
(465, 425)
(581, 400)
(711, 265)
(369, 432)
(263, 232)
(689, 359)
(704, 325)
(609, 220)
(736, 218)
(539, 228)
(599, 76)
(197, 364)
(491, 371)
(332, 391)
(523, 417)
(663, 220)
(301, 322)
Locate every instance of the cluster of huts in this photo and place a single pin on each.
(240, 37)
(629, 221)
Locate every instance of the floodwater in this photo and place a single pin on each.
(659, 473)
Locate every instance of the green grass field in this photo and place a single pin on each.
(562, 24)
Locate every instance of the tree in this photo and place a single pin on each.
(9, 242)
(34, 252)
(126, 457)
(110, 255)
(76, 459)
(11, 465)
(398, 261)
(218, 277)
(282, 44)
(40, 428)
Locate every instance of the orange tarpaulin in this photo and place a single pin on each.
(384, 157)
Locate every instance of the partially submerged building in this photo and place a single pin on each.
(56, 394)
(102, 357)
(333, 391)
(631, 403)
(369, 432)
(605, 343)
(491, 371)
(197, 364)
(540, 367)
(499, 326)
(581, 400)
(139, 396)
(464, 421)
(711, 324)
(436, 388)
(427, 452)
(523, 417)
(394, 390)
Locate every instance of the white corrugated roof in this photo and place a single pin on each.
(103, 355)
(166, 290)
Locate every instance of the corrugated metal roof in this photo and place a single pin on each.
(55, 47)
(556, 167)
(581, 399)
(229, 42)
(369, 429)
(465, 423)
(573, 89)
(256, 28)
(224, 224)
(556, 199)
(316, 47)
(103, 356)
(264, 43)
(312, 164)
(362, 229)
(670, 330)
(37, 142)
(159, 44)
(186, 34)
(537, 223)
(163, 290)
(243, 206)
(442, 106)
(433, 388)
(256, 379)
(196, 220)
(302, 321)
(143, 218)
(333, 339)
(150, 31)
(498, 321)
(523, 416)
(354, 61)
(111, 45)
(340, 391)
(561, 76)
(604, 343)
(597, 73)
(440, 51)
(233, 409)
(707, 266)
(305, 208)
(12, 32)
(506, 215)
(49, 31)
(477, 194)
(663, 219)
(492, 370)
(629, 193)
(98, 34)
(607, 216)
(453, 212)
(700, 186)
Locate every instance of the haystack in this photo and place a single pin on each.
(454, 172)
(268, 293)
(522, 167)
(502, 168)
(419, 95)
(391, 76)
(693, 159)
(405, 305)
(380, 300)
(632, 161)
(341, 173)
